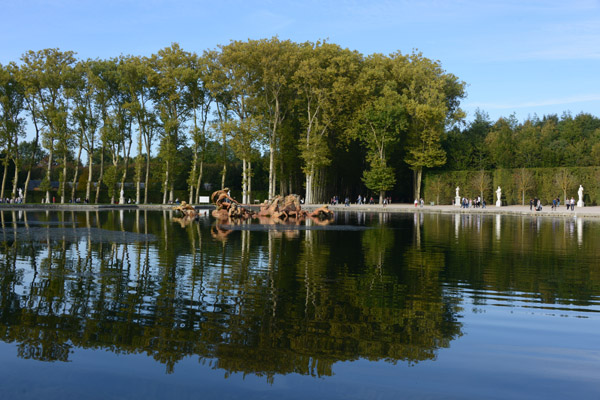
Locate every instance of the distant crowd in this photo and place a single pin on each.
(335, 200)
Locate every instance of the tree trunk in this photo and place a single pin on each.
(418, 176)
(272, 181)
(223, 173)
(147, 179)
(381, 196)
(249, 183)
(309, 189)
(244, 182)
(199, 177)
(126, 154)
(138, 171)
(26, 185)
(272, 139)
(49, 171)
(166, 183)
(64, 180)
(88, 186)
(4, 177)
(74, 189)
(101, 175)
(16, 177)
(33, 154)
(193, 176)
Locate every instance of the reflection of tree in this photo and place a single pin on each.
(376, 244)
(260, 303)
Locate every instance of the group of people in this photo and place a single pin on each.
(477, 202)
(536, 204)
(570, 204)
(13, 200)
(335, 200)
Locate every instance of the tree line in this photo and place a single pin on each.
(315, 117)
(546, 157)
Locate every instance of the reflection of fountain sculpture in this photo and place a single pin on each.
(323, 213)
(219, 233)
(186, 209)
(227, 207)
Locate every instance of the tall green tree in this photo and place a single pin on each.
(242, 73)
(134, 79)
(46, 71)
(277, 61)
(86, 118)
(170, 69)
(325, 83)
(12, 105)
(219, 90)
(380, 123)
(431, 98)
(198, 100)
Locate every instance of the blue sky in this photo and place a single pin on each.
(522, 57)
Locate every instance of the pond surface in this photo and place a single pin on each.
(141, 305)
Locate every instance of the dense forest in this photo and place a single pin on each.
(267, 117)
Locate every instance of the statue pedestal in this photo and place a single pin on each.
(499, 203)
(457, 201)
(580, 203)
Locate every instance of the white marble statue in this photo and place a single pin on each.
(20, 193)
(580, 194)
(457, 199)
(121, 197)
(499, 196)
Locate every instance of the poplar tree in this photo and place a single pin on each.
(277, 61)
(133, 79)
(85, 116)
(198, 100)
(241, 71)
(12, 105)
(46, 70)
(168, 80)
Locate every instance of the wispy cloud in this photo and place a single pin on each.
(535, 103)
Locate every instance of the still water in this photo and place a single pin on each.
(141, 305)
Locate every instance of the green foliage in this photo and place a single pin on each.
(45, 185)
(111, 177)
(379, 178)
(538, 182)
(291, 110)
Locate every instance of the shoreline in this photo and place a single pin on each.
(592, 212)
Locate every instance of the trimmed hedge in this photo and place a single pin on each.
(544, 185)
